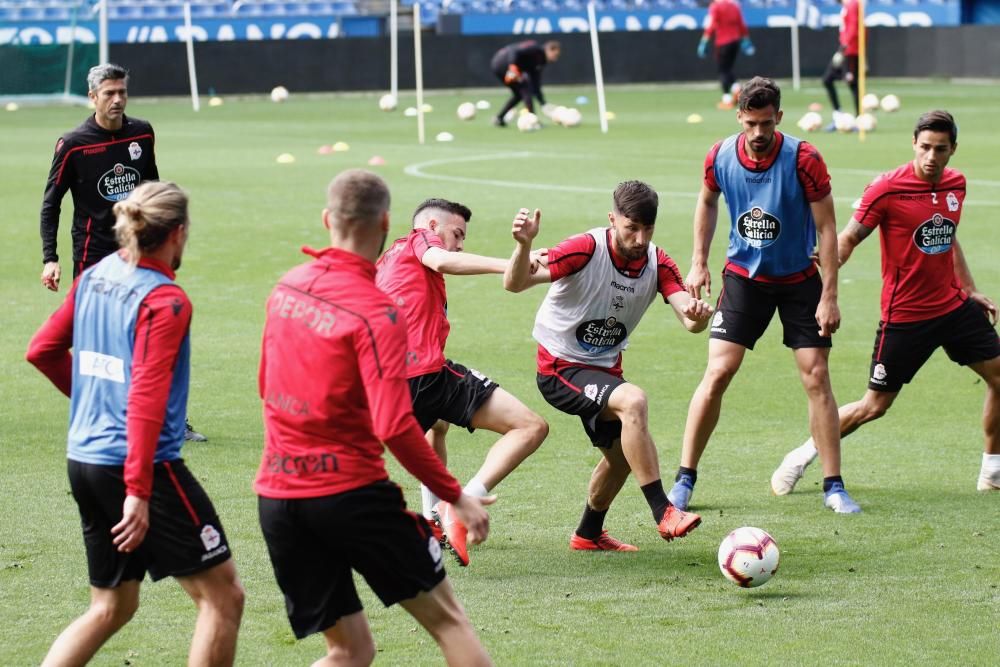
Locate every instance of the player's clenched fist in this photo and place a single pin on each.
(525, 225)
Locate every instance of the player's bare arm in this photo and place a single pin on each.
(519, 275)
(706, 216)
(853, 234)
(827, 312)
(693, 313)
(461, 263)
(964, 276)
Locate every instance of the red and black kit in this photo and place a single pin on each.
(100, 167)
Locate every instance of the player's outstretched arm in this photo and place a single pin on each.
(853, 234)
(693, 313)
(706, 216)
(520, 275)
(461, 263)
(827, 312)
(964, 276)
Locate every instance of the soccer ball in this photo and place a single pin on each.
(279, 94)
(810, 121)
(528, 122)
(869, 102)
(890, 103)
(571, 117)
(748, 557)
(844, 122)
(466, 111)
(866, 122)
(387, 102)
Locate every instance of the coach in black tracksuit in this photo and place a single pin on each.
(100, 162)
(519, 67)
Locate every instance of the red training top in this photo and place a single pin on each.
(163, 321)
(572, 255)
(725, 22)
(420, 293)
(333, 381)
(849, 27)
(918, 221)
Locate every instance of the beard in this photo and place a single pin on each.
(630, 253)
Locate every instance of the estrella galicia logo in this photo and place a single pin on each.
(601, 335)
(934, 236)
(118, 182)
(758, 227)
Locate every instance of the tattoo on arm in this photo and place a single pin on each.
(858, 231)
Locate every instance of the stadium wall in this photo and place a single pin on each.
(455, 61)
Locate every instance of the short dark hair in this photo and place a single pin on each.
(937, 121)
(443, 204)
(637, 202)
(760, 92)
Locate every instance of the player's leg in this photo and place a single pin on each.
(349, 643)
(606, 481)
(437, 438)
(442, 615)
(851, 76)
(724, 360)
(629, 405)
(512, 101)
(989, 473)
(873, 405)
(727, 59)
(521, 432)
(110, 609)
(219, 597)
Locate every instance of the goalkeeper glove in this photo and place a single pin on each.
(703, 47)
(747, 46)
(513, 75)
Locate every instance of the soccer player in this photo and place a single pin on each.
(602, 282)
(844, 63)
(333, 382)
(412, 273)
(929, 298)
(778, 192)
(727, 27)
(519, 67)
(100, 162)
(127, 323)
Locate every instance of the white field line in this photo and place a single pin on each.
(422, 170)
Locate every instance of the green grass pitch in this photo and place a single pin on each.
(912, 580)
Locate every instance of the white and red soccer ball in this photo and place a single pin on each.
(748, 557)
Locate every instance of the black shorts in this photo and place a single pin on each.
(314, 544)
(184, 536)
(901, 349)
(746, 307)
(453, 394)
(584, 392)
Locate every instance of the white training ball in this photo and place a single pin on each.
(279, 94)
(466, 111)
(571, 117)
(556, 114)
(844, 122)
(890, 103)
(528, 122)
(869, 102)
(810, 121)
(866, 122)
(510, 116)
(482, 105)
(388, 102)
(748, 557)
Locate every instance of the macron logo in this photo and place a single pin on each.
(102, 366)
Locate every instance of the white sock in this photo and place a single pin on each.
(806, 451)
(991, 466)
(428, 500)
(476, 488)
